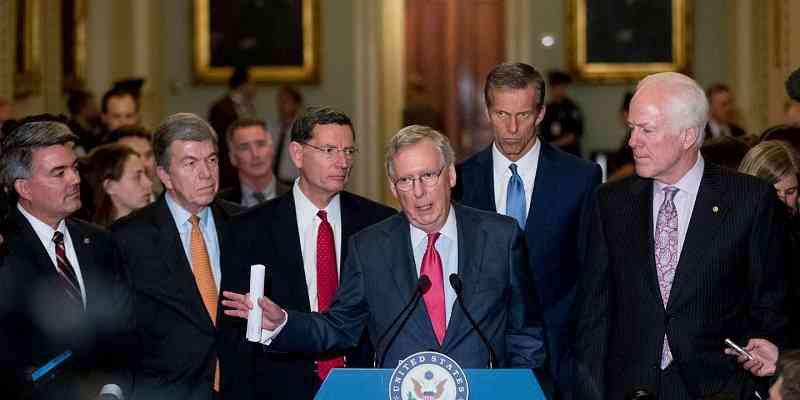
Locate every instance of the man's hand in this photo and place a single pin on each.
(239, 305)
(765, 357)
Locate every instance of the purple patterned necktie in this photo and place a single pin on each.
(666, 253)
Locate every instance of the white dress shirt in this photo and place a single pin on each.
(684, 200)
(269, 193)
(526, 168)
(207, 227)
(45, 234)
(447, 246)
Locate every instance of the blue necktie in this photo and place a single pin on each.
(515, 197)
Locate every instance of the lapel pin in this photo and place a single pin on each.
(715, 209)
(86, 240)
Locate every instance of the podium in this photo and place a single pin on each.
(484, 384)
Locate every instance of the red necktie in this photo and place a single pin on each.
(69, 279)
(434, 297)
(327, 282)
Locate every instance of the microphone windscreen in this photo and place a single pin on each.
(424, 284)
(793, 85)
(455, 282)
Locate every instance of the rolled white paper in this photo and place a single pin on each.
(257, 273)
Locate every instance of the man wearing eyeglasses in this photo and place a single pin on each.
(434, 238)
(301, 236)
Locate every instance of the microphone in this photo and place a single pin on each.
(455, 282)
(423, 285)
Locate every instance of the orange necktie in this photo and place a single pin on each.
(201, 267)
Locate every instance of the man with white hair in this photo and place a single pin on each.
(684, 255)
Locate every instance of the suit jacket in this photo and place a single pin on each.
(234, 192)
(555, 233)
(220, 116)
(379, 278)
(178, 343)
(38, 321)
(270, 236)
(729, 283)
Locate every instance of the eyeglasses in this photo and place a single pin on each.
(331, 151)
(428, 180)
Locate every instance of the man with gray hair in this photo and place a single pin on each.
(683, 255)
(62, 286)
(173, 250)
(431, 237)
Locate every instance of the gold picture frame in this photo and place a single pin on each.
(207, 70)
(588, 63)
(27, 67)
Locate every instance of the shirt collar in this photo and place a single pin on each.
(528, 162)
(449, 230)
(181, 216)
(308, 211)
(690, 182)
(43, 231)
(269, 190)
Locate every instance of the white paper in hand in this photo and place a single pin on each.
(257, 273)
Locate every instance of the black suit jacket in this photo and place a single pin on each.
(178, 343)
(38, 321)
(234, 192)
(555, 233)
(729, 283)
(269, 235)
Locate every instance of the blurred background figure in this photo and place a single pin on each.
(6, 113)
(620, 164)
(726, 151)
(721, 111)
(118, 181)
(562, 125)
(787, 386)
(84, 120)
(289, 102)
(237, 103)
(252, 154)
(776, 162)
(119, 108)
(140, 140)
(791, 114)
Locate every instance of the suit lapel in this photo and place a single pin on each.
(82, 243)
(179, 270)
(470, 257)
(287, 245)
(351, 222)
(545, 190)
(703, 226)
(641, 241)
(483, 190)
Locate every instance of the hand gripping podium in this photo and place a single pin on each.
(484, 384)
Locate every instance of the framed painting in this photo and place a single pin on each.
(73, 43)
(27, 75)
(277, 39)
(627, 40)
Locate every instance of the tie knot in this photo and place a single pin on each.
(259, 197)
(513, 168)
(194, 220)
(58, 237)
(432, 237)
(670, 192)
(323, 215)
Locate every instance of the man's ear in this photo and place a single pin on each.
(296, 153)
(163, 175)
(23, 188)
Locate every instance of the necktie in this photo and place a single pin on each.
(201, 268)
(327, 282)
(69, 280)
(434, 297)
(515, 197)
(666, 253)
(260, 198)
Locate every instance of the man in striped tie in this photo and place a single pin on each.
(62, 287)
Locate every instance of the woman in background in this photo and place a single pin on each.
(118, 182)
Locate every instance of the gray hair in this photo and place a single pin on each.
(16, 157)
(686, 101)
(412, 135)
(180, 126)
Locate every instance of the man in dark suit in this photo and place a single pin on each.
(174, 250)
(285, 235)
(720, 123)
(433, 238)
(683, 255)
(551, 204)
(62, 284)
(252, 154)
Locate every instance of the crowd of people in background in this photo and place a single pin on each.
(564, 295)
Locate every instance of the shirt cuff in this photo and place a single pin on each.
(268, 335)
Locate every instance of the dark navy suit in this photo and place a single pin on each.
(555, 234)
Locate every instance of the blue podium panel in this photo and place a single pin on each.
(484, 384)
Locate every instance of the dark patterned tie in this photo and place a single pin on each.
(69, 280)
(667, 253)
(327, 282)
